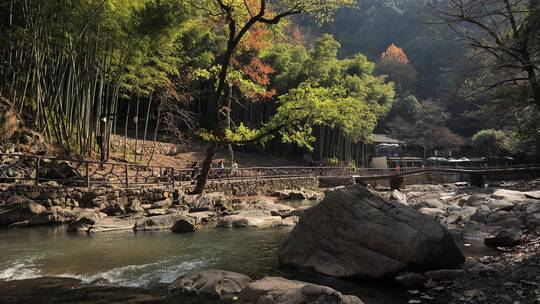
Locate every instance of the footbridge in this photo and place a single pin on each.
(34, 169)
(475, 176)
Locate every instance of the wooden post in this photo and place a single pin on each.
(396, 182)
(476, 180)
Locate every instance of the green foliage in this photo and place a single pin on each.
(338, 93)
(491, 142)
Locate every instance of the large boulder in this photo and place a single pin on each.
(212, 283)
(354, 233)
(275, 290)
(19, 209)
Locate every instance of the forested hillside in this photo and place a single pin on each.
(315, 78)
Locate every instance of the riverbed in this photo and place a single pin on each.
(145, 259)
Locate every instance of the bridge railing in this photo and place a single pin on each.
(85, 173)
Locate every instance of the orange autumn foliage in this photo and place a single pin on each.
(395, 54)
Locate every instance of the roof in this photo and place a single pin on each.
(405, 158)
(385, 139)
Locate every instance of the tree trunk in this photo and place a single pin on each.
(206, 165)
(229, 110)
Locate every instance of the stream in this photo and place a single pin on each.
(142, 259)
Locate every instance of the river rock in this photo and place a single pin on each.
(53, 217)
(203, 217)
(49, 290)
(274, 290)
(159, 222)
(162, 204)
(134, 206)
(98, 202)
(156, 212)
(399, 197)
(114, 209)
(249, 218)
(290, 221)
(432, 203)
(299, 212)
(433, 213)
(504, 238)
(533, 194)
(205, 202)
(185, 225)
(498, 204)
(19, 209)
(509, 195)
(94, 225)
(214, 283)
(411, 280)
(443, 274)
(354, 233)
(274, 209)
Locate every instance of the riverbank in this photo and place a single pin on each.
(504, 217)
(148, 257)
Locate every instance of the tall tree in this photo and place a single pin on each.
(427, 128)
(239, 18)
(395, 63)
(504, 34)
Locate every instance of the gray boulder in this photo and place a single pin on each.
(354, 233)
(213, 283)
(504, 238)
(274, 290)
(159, 222)
(185, 225)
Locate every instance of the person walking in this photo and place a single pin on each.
(194, 171)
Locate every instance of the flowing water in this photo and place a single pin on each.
(143, 259)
